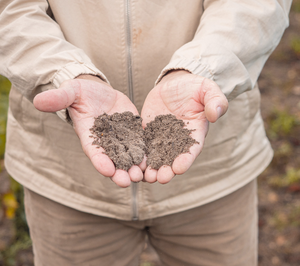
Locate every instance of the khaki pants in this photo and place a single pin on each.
(223, 233)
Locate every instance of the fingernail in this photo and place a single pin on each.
(219, 111)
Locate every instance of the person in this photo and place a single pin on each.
(78, 59)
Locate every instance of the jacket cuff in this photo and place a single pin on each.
(71, 71)
(193, 66)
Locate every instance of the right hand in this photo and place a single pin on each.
(87, 97)
(194, 99)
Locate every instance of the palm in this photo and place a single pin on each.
(183, 96)
(181, 100)
(86, 100)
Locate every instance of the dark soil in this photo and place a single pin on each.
(122, 137)
(166, 138)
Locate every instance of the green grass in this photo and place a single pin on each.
(291, 177)
(296, 6)
(4, 91)
(21, 239)
(8, 256)
(282, 153)
(286, 219)
(281, 123)
(279, 220)
(295, 45)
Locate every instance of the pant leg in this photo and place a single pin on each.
(221, 233)
(63, 236)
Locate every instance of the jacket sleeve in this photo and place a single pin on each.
(34, 54)
(232, 43)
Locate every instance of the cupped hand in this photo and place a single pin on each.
(193, 99)
(86, 98)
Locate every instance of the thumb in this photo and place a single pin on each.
(56, 99)
(215, 102)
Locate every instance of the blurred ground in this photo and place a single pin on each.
(279, 185)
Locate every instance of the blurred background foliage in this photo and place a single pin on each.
(14, 234)
(4, 91)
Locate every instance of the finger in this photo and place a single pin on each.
(121, 178)
(214, 100)
(165, 174)
(150, 175)
(135, 174)
(143, 164)
(184, 161)
(55, 100)
(102, 163)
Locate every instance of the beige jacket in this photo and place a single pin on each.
(132, 44)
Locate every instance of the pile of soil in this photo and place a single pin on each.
(122, 137)
(166, 138)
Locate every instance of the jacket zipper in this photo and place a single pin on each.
(130, 93)
(129, 47)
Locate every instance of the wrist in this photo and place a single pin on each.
(175, 73)
(91, 77)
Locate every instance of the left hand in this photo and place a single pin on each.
(193, 99)
(87, 97)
